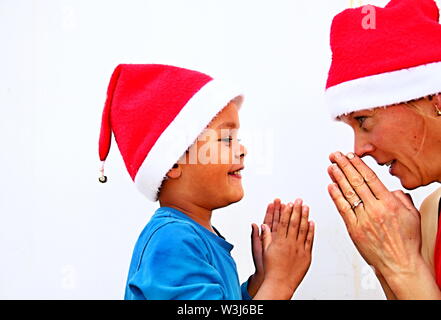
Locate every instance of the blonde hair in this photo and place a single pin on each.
(414, 106)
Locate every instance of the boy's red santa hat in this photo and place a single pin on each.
(393, 59)
(156, 112)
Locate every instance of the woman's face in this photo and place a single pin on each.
(400, 137)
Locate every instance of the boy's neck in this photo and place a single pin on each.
(199, 214)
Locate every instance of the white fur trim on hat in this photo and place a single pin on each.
(182, 132)
(384, 89)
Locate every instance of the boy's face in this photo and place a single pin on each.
(210, 170)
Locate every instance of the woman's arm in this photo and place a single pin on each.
(415, 284)
(429, 226)
(390, 295)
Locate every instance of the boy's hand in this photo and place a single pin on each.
(286, 252)
(272, 216)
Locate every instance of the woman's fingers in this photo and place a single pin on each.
(342, 205)
(353, 177)
(331, 174)
(405, 198)
(378, 189)
(339, 178)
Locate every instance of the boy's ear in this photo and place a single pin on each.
(174, 172)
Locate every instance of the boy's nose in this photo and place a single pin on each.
(242, 151)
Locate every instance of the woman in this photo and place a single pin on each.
(385, 82)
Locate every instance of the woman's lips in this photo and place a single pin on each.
(390, 164)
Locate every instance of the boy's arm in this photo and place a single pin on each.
(173, 267)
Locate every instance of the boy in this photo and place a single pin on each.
(177, 132)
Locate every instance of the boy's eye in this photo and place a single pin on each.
(228, 140)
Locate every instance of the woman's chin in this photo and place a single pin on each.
(409, 184)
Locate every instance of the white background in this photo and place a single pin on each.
(63, 235)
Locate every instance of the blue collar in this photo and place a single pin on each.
(218, 238)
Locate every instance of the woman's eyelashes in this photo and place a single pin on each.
(361, 121)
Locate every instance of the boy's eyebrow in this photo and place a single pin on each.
(228, 124)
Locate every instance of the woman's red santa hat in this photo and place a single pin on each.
(156, 112)
(396, 61)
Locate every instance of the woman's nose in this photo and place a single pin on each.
(362, 147)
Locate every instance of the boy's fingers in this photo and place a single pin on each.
(255, 236)
(266, 236)
(304, 225)
(256, 243)
(310, 237)
(295, 219)
(285, 215)
(269, 215)
(276, 217)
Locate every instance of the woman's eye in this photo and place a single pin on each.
(360, 120)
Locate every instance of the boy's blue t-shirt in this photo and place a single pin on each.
(177, 258)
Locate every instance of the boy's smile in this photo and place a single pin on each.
(236, 173)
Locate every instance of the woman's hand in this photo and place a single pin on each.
(384, 225)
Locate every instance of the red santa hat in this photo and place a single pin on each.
(390, 57)
(156, 112)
